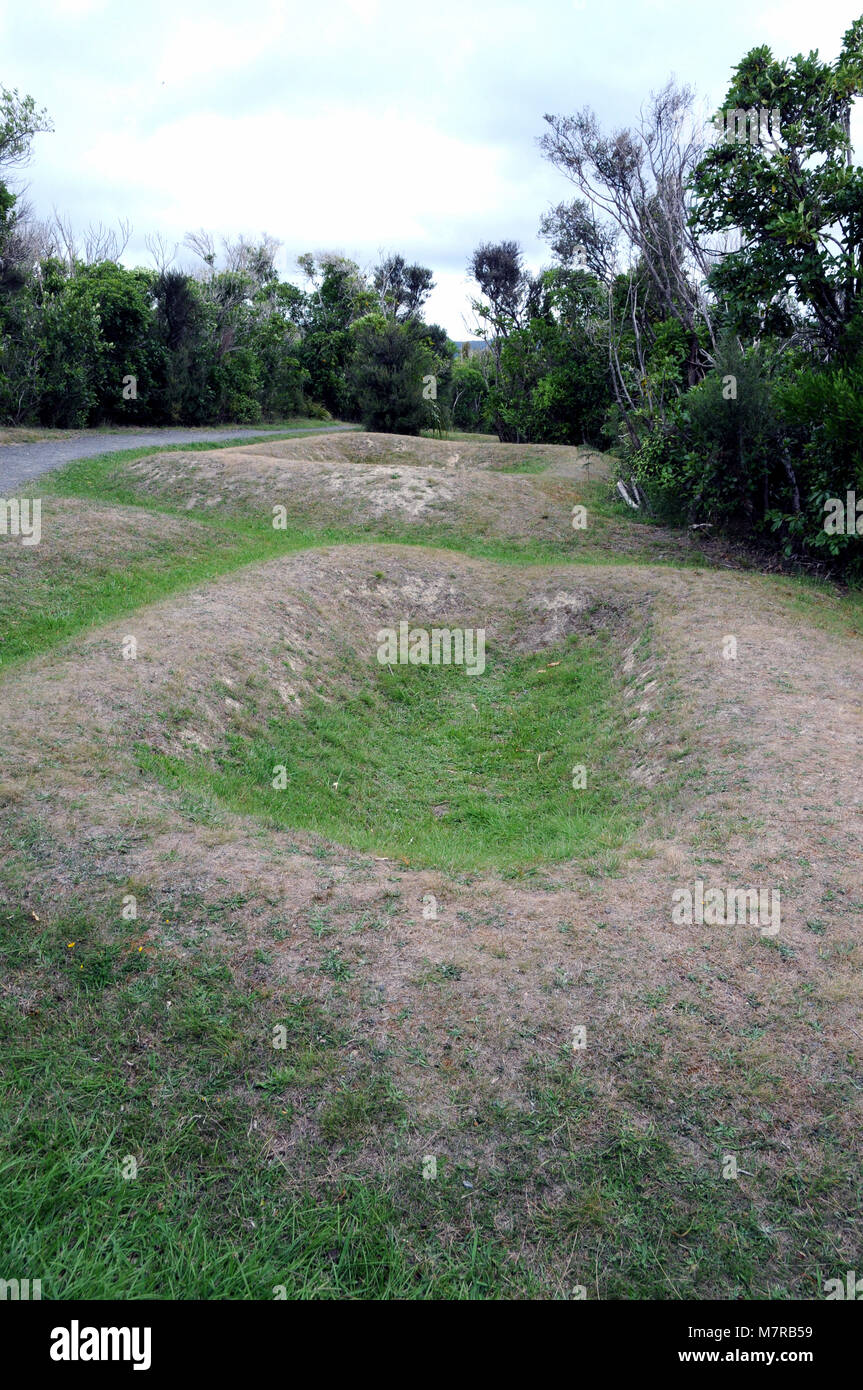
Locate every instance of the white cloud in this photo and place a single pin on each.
(359, 124)
(366, 10)
(205, 44)
(77, 9)
(358, 176)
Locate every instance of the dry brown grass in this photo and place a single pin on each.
(356, 479)
(509, 968)
(712, 1037)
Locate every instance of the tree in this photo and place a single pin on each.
(793, 193)
(577, 238)
(276, 341)
(337, 297)
(183, 388)
(505, 287)
(121, 302)
(20, 120)
(390, 362)
(402, 289)
(69, 335)
(498, 270)
(468, 396)
(638, 181)
(553, 382)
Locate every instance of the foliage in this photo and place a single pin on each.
(791, 191)
(703, 312)
(390, 361)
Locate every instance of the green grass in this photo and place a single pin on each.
(33, 619)
(23, 434)
(169, 1061)
(42, 605)
(529, 464)
(167, 1057)
(651, 1225)
(45, 602)
(437, 766)
(103, 479)
(466, 435)
(80, 476)
(604, 1172)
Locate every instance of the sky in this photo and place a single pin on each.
(358, 126)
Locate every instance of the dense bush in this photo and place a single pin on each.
(760, 446)
(389, 375)
(822, 427)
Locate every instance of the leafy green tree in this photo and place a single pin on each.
(792, 191)
(276, 343)
(70, 344)
(236, 385)
(389, 366)
(550, 355)
(338, 296)
(468, 397)
(20, 120)
(121, 301)
(501, 310)
(183, 388)
(578, 239)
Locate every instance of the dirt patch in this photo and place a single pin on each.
(391, 484)
(386, 449)
(100, 535)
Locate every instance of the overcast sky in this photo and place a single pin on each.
(355, 125)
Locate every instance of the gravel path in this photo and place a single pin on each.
(18, 462)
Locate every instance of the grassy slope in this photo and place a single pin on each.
(39, 609)
(115, 1045)
(436, 765)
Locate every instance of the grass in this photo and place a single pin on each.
(46, 601)
(26, 434)
(128, 1051)
(47, 598)
(21, 434)
(296, 1170)
(91, 476)
(48, 595)
(175, 1083)
(465, 436)
(436, 766)
(529, 464)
